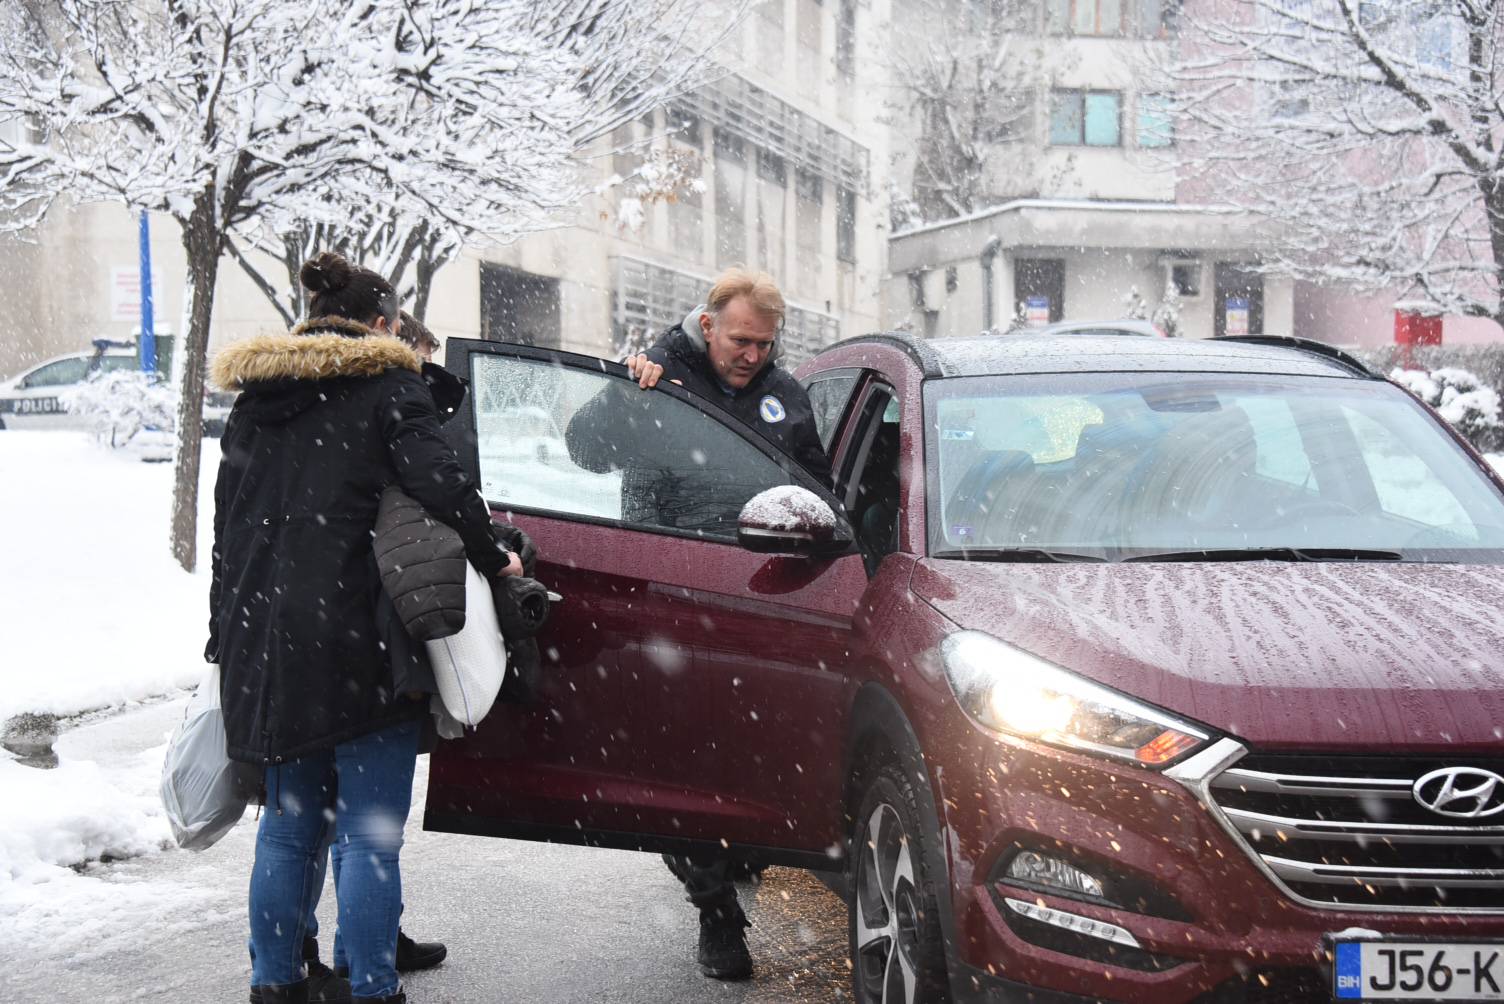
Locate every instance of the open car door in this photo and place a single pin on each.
(694, 693)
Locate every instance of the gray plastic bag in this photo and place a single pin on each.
(203, 790)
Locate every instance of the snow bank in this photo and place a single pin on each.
(78, 812)
(96, 611)
(52, 904)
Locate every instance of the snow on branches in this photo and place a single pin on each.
(1368, 132)
(1458, 396)
(967, 80)
(262, 116)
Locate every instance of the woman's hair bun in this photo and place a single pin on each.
(327, 272)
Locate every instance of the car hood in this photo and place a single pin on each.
(1299, 656)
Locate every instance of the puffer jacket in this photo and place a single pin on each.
(328, 416)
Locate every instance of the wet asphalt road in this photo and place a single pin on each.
(524, 922)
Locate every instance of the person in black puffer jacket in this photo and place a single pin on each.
(328, 416)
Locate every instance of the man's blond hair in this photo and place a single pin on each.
(758, 287)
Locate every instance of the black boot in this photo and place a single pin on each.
(723, 951)
(324, 987)
(285, 993)
(414, 955)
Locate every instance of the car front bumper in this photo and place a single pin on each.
(1193, 916)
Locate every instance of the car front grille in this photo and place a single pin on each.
(1346, 831)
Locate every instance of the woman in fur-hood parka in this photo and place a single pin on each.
(328, 415)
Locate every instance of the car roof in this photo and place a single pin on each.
(1105, 327)
(1026, 353)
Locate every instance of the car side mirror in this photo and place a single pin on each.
(791, 520)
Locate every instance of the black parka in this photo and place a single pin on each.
(327, 417)
(672, 474)
(772, 402)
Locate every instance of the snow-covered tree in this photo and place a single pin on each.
(619, 61)
(967, 78)
(117, 405)
(1368, 133)
(1465, 401)
(228, 113)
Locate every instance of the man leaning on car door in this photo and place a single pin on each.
(726, 352)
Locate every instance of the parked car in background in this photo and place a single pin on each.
(1112, 669)
(1124, 327)
(37, 398)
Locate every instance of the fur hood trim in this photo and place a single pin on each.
(319, 349)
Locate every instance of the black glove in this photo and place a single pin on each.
(519, 543)
(521, 606)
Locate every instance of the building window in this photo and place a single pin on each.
(808, 29)
(732, 105)
(1185, 278)
(1086, 118)
(730, 199)
(809, 214)
(846, 225)
(846, 38)
(769, 23)
(1084, 17)
(1158, 18)
(519, 307)
(1156, 127)
(685, 127)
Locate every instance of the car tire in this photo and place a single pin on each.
(893, 917)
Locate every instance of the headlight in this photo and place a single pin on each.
(1017, 693)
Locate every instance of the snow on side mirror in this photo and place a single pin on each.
(789, 520)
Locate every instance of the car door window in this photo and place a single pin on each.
(873, 494)
(115, 364)
(64, 371)
(576, 442)
(828, 397)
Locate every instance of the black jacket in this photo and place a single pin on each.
(787, 419)
(621, 429)
(328, 416)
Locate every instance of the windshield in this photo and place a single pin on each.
(1120, 466)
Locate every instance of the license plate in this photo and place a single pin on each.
(1418, 971)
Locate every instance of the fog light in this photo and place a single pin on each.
(1054, 873)
(1074, 922)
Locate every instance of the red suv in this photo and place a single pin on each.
(1113, 669)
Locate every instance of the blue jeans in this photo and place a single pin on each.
(366, 786)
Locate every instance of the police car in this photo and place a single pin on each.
(38, 397)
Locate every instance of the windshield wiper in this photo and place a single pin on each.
(1273, 554)
(1020, 554)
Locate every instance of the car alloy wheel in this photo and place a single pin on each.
(895, 939)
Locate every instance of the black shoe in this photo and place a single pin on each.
(414, 955)
(322, 987)
(285, 993)
(723, 951)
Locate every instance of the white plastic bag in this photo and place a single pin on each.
(468, 667)
(202, 788)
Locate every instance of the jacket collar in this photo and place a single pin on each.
(318, 349)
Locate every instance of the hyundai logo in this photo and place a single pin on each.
(1461, 792)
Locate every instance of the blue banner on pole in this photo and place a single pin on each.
(148, 344)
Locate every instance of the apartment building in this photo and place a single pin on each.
(1083, 212)
(785, 144)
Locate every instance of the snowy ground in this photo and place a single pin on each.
(97, 615)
